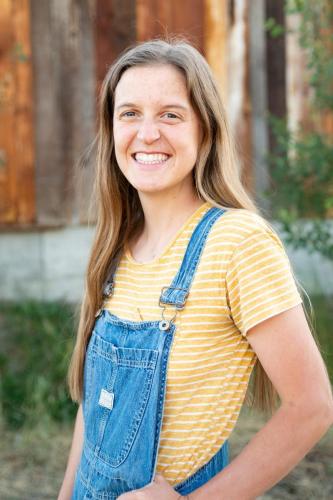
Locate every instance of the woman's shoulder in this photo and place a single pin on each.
(243, 223)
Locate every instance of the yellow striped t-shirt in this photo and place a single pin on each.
(243, 277)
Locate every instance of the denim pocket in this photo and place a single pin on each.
(117, 385)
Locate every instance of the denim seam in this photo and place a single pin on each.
(95, 494)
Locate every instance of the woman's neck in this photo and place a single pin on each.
(162, 221)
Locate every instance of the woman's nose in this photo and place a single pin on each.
(148, 131)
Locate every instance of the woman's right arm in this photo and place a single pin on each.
(73, 458)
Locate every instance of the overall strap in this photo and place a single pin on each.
(177, 293)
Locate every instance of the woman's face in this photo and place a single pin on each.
(156, 131)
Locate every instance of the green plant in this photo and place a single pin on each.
(323, 307)
(301, 193)
(36, 339)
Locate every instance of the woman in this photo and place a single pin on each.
(197, 290)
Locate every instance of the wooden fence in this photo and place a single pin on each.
(54, 55)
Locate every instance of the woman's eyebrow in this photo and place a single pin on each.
(126, 105)
(165, 106)
(179, 106)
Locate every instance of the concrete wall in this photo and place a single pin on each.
(46, 265)
(50, 265)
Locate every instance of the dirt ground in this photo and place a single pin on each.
(32, 464)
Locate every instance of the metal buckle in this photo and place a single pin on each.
(173, 317)
(161, 304)
(164, 324)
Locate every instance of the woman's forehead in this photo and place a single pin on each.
(143, 81)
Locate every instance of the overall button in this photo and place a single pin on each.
(164, 324)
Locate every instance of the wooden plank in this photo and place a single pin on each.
(258, 91)
(226, 49)
(216, 17)
(114, 31)
(242, 128)
(17, 201)
(64, 87)
(298, 90)
(157, 18)
(276, 66)
(24, 132)
(7, 113)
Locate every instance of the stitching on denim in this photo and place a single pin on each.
(95, 494)
(133, 427)
(116, 320)
(162, 393)
(132, 363)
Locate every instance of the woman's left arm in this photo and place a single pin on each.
(289, 355)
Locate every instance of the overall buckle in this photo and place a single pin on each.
(164, 324)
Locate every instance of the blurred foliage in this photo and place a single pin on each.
(323, 318)
(36, 344)
(301, 164)
(302, 187)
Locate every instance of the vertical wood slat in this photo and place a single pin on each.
(226, 48)
(63, 53)
(24, 109)
(276, 66)
(258, 91)
(7, 91)
(158, 18)
(297, 87)
(216, 42)
(17, 189)
(114, 30)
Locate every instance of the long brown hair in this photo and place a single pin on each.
(217, 179)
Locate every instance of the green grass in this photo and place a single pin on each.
(323, 325)
(36, 344)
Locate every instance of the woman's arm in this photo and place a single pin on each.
(286, 349)
(74, 457)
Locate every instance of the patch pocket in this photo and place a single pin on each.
(118, 383)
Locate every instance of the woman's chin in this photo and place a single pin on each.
(148, 188)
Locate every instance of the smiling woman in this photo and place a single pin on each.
(188, 289)
(156, 132)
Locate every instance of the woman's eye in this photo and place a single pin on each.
(128, 114)
(171, 115)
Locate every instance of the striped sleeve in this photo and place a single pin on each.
(259, 280)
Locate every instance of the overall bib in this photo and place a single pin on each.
(124, 391)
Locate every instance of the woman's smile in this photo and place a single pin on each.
(150, 161)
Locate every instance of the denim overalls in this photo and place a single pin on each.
(124, 392)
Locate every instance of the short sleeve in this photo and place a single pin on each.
(259, 280)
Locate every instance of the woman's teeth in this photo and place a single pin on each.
(150, 159)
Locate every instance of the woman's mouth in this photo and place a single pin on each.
(150, 159)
